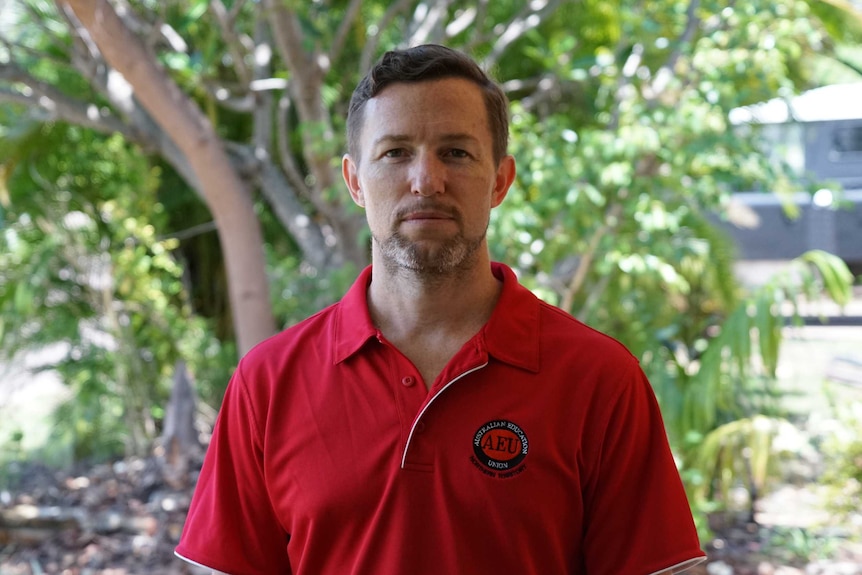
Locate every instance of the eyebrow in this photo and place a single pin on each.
(390, 139)
(402, 138)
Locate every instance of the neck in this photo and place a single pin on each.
(404, 303)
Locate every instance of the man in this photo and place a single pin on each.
(440, 418)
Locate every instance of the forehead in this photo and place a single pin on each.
(450, 105)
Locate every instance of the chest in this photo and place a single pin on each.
(364, 466)
(377, 439)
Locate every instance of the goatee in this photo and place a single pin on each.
(429, 258)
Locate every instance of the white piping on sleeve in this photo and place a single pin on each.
(201, 565)
(427, 405)
(680, 567)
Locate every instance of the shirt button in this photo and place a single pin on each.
(408, 381)
(420, 427)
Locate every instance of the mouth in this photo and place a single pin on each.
(428, 214)
(421, 216)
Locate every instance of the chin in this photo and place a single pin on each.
(427, 257)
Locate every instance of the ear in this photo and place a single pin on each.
(505, 176)
(350, 173)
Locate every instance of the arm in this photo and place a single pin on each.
(637, 513)
(231, 521)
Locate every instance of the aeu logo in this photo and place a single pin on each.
(500, 446)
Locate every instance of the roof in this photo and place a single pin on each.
(829, 103)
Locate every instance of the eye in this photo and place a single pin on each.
(457, 153)
(395, 153)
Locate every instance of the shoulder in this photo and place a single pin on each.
(563, 333)
(310, 332)
(329, 335)
(528, 331)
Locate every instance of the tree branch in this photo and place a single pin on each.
(347, 23)
(139, 129)
(481, 14)
(285, 202)
(226, 195)
(467, 18)
(262, 113)
(428, 27)
(58, 105)
(541, 91)
(85, 56)
(288, 164)
(369, 52)
(235, 47)
(152, 32)
(305, 86)
(593, 299)
(304, 68)
(611, 220)
(142, 129)
(528, 19)
(665, 72)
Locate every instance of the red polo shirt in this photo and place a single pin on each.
(539, 450)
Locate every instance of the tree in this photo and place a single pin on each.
(288, 69)
(157, 78)
(161, 109)
(187, 127)
(619, 127)
(84, 268)
(611, 217)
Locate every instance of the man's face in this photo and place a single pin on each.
(426, 174)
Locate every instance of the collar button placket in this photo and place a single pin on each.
(419, 425)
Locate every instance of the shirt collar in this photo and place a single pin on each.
(511, 334)
(353, 325)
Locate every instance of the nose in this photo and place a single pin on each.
(427, 175)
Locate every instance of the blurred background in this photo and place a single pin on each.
(689, 182)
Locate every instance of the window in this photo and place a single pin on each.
(846, 145)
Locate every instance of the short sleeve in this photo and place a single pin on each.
(637, 517)
(231, 525)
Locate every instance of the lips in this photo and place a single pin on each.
(426, 216)
(427, 213)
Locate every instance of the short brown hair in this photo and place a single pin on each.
(424, 63)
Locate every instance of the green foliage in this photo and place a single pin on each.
(298, 291)
(635, 255)
(799, 545)
(743, 451)
(609, 214)
(722, 409)
(81, 266)
(640, 243)
(842, 452)
(624, 150)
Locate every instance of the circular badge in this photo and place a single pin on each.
(500, 445)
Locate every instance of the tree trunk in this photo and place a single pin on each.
(179, 443)
(225, 194)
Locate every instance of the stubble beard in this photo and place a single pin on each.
(429, 259)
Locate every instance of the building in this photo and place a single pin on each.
(819, 133)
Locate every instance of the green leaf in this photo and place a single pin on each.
(837, 277)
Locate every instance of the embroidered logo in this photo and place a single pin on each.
(499, 449)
